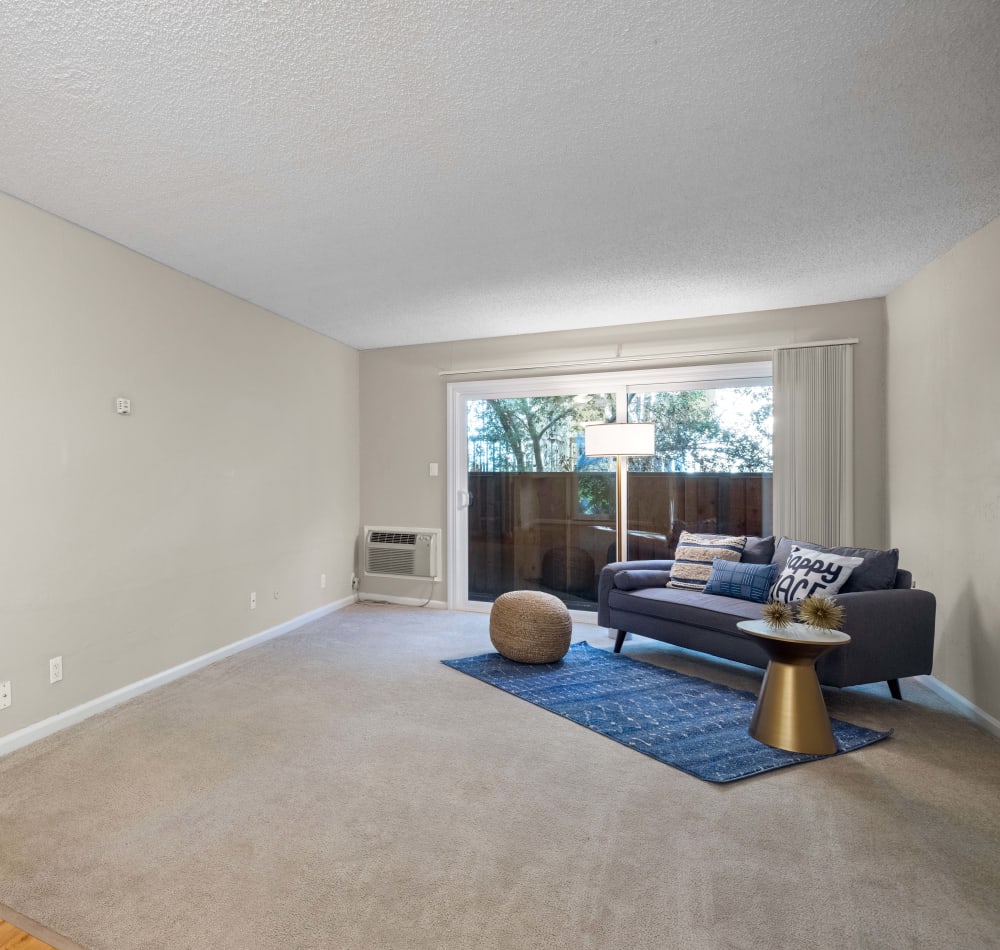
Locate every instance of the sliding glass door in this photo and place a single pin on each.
(531, 511)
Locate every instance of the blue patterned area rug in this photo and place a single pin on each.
(694, 725)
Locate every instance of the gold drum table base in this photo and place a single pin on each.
(791, 712)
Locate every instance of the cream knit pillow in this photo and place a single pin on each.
(695, 553)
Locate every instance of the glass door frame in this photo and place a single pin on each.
(460, 394)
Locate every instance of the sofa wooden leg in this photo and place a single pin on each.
(619, 640)
(894, 689)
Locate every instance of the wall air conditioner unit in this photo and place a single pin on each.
(403, 552)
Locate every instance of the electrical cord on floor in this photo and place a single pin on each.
(368, 602)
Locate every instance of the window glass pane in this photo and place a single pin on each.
(706, 430)
(712, 468)
(534, 433)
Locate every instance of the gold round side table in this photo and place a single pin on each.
(791, 713)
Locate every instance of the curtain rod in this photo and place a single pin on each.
(658, 357)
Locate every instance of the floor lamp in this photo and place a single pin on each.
(620, 439)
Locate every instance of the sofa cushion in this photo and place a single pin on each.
(745, 581)
(809, 572)
(758, 550)
(695, 553)
(692, 608)
(876, 572)
(636, 580)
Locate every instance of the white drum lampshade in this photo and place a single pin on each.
(619, 438)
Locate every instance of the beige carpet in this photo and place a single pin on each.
(340, 788)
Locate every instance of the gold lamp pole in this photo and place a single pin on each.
(620, 439)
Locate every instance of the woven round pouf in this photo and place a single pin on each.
(530, 626)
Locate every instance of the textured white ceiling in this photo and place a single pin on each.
(403, 171)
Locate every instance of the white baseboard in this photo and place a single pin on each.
(585, 617)
(401, 601)
(988, 722)
(71, 717)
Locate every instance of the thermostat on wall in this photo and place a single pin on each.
(124, 406)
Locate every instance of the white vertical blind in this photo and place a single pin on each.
(814, 444)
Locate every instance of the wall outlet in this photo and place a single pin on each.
(253, 600)
(354, 582)
(275, 595)
(55, 669)
(4, 694)
(322, 581)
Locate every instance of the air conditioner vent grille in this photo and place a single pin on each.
(392, 537)
(381, 561)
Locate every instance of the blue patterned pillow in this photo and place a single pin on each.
(745, 581)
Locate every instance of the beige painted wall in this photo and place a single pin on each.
(130, 544)
(403, 403)
(944, 454)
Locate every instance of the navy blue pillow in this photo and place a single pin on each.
(741, 580)
(758, 550)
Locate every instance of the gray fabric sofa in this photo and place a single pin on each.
(891, 626)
